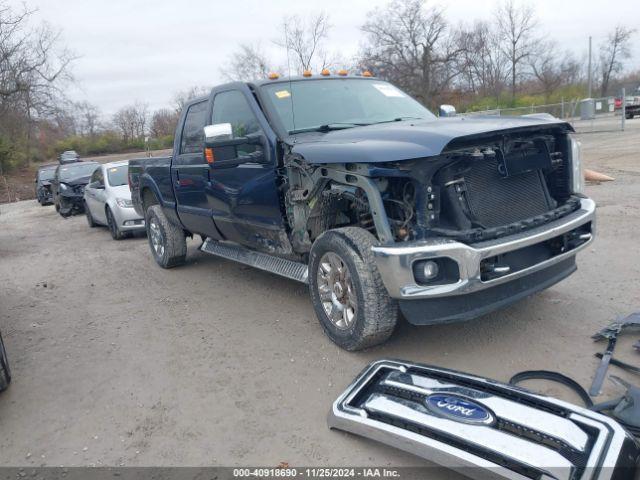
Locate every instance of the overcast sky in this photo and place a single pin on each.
(147, 50)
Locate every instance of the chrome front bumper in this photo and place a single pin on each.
(395, 262)
(480, 427)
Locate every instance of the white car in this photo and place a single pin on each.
(107, 200)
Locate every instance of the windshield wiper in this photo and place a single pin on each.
(329, 127)
(400, 119)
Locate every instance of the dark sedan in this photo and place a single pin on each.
(68, 186)
(43, 184)
(69, 156)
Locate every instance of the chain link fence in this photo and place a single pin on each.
(603, 117)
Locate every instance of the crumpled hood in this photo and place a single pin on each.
(408, 140)
(77, 180)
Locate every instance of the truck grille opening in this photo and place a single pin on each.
(495, 200)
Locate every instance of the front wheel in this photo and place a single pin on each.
(5, 372)
(116, 233)
(167, 241)
(347, 292)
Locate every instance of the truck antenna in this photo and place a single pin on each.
(286, 41)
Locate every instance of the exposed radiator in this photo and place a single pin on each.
(496, 200)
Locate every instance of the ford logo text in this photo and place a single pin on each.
(459, 408)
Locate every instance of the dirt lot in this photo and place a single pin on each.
(119, 362)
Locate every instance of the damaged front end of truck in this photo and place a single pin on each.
(470, 214)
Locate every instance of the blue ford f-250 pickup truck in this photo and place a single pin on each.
(348, 184)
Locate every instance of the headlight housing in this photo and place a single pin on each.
(124, 203)
(64, 187)
(577, 169)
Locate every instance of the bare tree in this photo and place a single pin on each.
(248, 63)
(131, 121)
(612, 53)
(88, 118)
(516, 25)
(182, 97)
(552, 69)
(411, 45)
(33, 70)
(304, 40)
(163, 123)
(484, 66)
(30, 59)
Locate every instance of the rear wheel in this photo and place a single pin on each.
(167, 241)
(90, 221)
(347, 292)
(115, 231)
(5, 372)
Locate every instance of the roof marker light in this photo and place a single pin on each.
(325, 72)
(273, 76)
(306, 73)
(367, 73)
(343, 72)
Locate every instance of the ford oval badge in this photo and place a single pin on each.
(458, 408)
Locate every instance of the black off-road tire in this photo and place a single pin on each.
(5, 371)
(115, 232)
(90, 220)
(171, 237)
(376, 313)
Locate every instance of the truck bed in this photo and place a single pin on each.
(154, 173)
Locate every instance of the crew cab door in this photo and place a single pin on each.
(243, 194)
(190, 172)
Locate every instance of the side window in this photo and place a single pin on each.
(193, 131)
(95, 176)
(232, 107)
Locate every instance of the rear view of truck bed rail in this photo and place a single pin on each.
(481, 427)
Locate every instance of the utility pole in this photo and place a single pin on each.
(624, 107)
(589, 73)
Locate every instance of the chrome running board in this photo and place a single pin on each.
(263, 261)
(480, 427)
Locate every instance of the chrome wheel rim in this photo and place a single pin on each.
(336, 292)
(157, 240)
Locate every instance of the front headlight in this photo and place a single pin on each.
(124, 203)
(577, 172)
(63, 187)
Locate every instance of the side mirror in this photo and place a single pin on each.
(218, 132)
(447, 111)
(96, 185)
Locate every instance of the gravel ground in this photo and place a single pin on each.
(117, 362)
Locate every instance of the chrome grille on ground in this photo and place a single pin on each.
(479, 425)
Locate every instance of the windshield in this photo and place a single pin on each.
(77, 170)
(118, 175)
(46, 174)
(340, 103)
